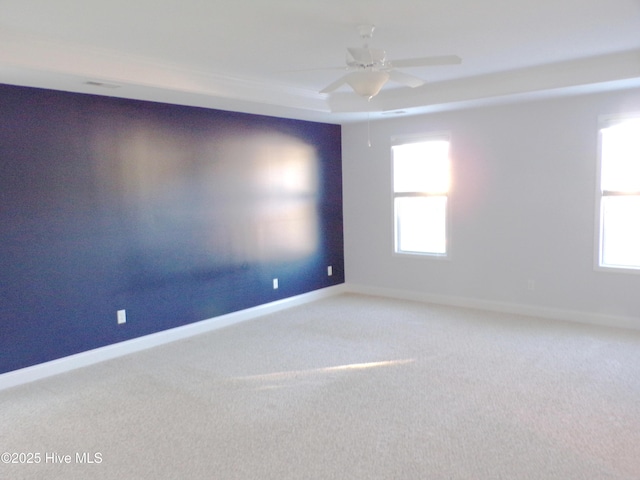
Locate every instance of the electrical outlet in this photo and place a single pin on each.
(275, 283)
(531, 285)
(122, 317)
(329, 270)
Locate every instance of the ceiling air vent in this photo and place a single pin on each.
(94, 83)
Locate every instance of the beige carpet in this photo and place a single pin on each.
(350, 387)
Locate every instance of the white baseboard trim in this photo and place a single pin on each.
(589, 318)
(90, 357)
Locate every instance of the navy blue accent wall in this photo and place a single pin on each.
(176, 214)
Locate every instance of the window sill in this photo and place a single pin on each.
(429, 256)
(616, 269)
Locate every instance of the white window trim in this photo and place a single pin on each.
(416, 138)
(605, 121)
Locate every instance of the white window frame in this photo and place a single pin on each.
(402, 140)
(606, 121)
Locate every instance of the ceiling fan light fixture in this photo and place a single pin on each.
(368, 69)
(368, 83)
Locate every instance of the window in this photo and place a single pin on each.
(420, 195)
(619, 193)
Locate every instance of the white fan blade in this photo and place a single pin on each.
(405, 79)
(427, 61)
(335, 85)
(319, 69)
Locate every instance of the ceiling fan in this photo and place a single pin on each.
(369, 70)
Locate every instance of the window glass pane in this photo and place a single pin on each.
(421, 167)
(621, 157)
(421, 224)
(621, 231)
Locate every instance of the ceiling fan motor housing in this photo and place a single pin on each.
(371, 58)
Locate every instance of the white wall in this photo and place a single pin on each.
(522, 208)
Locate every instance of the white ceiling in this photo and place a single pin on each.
(267, 56)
